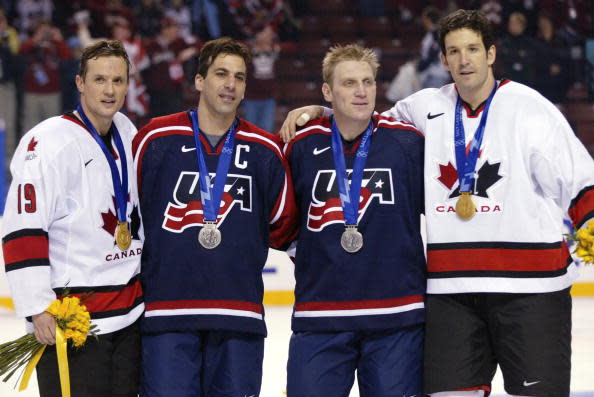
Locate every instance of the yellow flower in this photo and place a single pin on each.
(590, 226)
(54, 308)
(584, 236)
(582, 252)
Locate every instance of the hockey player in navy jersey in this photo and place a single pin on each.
(215, 194)
(502, 170)
(360, 267)
(68, 206)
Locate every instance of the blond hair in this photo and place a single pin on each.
(349, 52)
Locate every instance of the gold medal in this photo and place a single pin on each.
(123, 236)
(465, 208)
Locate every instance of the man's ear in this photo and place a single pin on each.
(327, 92)
(80, 84)
(444, 60)
(198, 82)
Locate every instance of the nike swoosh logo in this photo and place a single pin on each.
(526, 384)
(317, 151)
(185, 149)
(87, 163)
(432, 116)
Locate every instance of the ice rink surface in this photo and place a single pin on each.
(278, 319)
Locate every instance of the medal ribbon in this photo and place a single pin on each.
(211, 198)
(120, 185)
(350, 198)
(467, 164)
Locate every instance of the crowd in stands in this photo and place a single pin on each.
(540, 44)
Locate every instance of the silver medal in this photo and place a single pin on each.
(351, 240)
(209, 236)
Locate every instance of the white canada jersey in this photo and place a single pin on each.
(532, 171)
(59, 224)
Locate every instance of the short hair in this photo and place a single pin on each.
(103, 48)
(470, 19)
(224, 45)
(349, 52)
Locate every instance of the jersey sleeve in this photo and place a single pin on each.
(283, 217)
(562, 167)
(401, 111)
(31, 205)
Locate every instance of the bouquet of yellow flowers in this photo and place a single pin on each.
(584, 238)
(73, 322)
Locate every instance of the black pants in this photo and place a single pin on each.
(108, 367)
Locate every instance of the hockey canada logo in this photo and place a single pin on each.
(186, 209)
(485, 178)
(326, 208)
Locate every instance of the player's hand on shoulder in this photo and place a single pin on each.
(298, 118)
(45, 328)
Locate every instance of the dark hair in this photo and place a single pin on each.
(223, 45)
(103, 48)
(469, 19)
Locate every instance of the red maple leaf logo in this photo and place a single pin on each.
(32, 144)
(110, 220)
(449, 175)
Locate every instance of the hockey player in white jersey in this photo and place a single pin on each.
(71, 222)
(499, 271)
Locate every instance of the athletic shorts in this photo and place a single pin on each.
(528, 335)
(201, 364)
(388, 363)
(107, 366)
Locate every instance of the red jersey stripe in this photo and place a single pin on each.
(25, 248)
(204, 304)
(353, 305)
(106, 301)
(582, 208)
(490, 259)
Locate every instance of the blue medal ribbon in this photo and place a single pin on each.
(467, 164)
(211, 197)
(350, 198)
(120, 184)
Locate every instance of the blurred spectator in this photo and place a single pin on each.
(66, 14)
(148, 17)
(553, 77)
(30, 13)
(288, 24)
(260, 99)
(180, 12)
(137, 99)
(252, 16)
(432, 73)
(164, 79)
(104, 14)
(42, 55)
(9, 48)
(518, 51)
(493, 11)
(206, 16)
(529, 10)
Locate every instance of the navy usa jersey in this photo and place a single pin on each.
(382, 285)
(191, 287)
